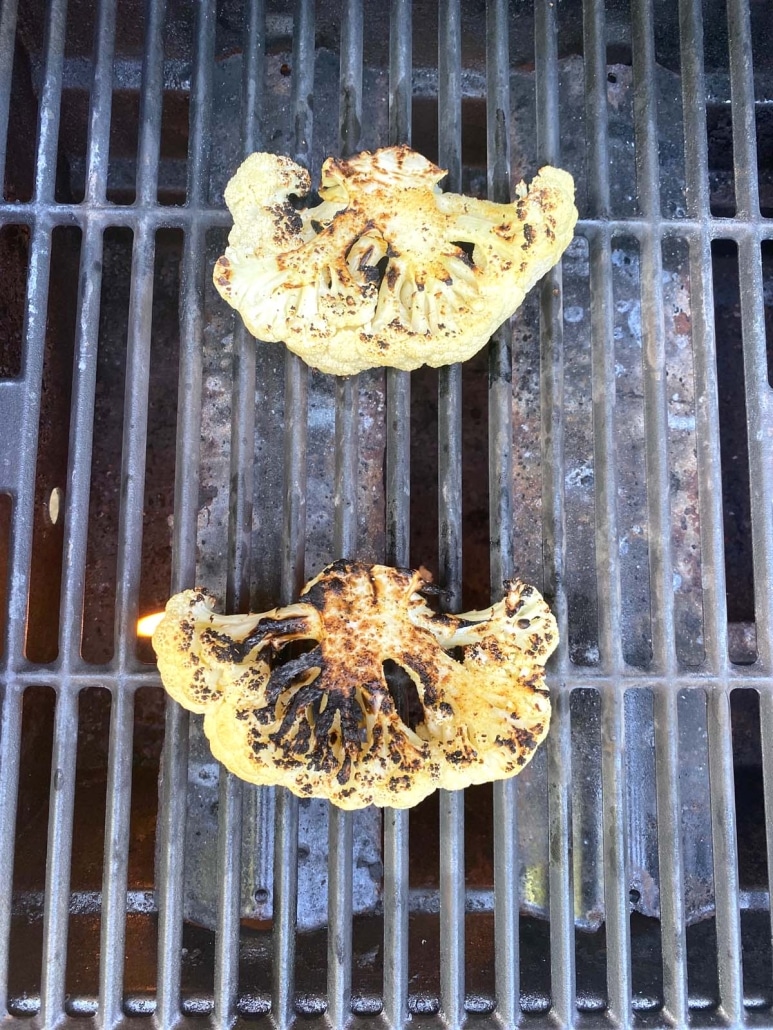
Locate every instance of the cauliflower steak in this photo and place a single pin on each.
(387, 269)
(323, 721)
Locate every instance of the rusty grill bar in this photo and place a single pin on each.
(600, 226)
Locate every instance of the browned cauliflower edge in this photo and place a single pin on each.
(321, 719)
(387, 270)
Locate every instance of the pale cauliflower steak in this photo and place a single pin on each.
(324, 722)
(387, 270)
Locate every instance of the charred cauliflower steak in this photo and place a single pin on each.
(324, 722)
(387, 270)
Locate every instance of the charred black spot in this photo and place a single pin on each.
(465, 252)
(524, 623)
(524, 737)
(316, 226)
(529, 235)
(392, 275)
(520, 209)
(398, 783)
(273, 627)
(404, 693)
(458, 757)
(344, 773)
(494, 649)
(222, 647)
(444, 708)
(508, 744)
(425, 673)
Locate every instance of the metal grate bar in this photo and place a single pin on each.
(149, 147)
(231, 789)
(505, 814)
(285, 908)
(743, 110)
(60, 826)
(766, 743)
(175, 757)
(616, 902)
(340, 835)
(758, 413)
(118, 805)
(704, 347)
(62, 795)
(659, 535)
(670, 849)
(34, 343)
(398, 384)
(115, 873)
(87, 335)
(758, 407)
(653, 342)
(452, 882)
(50, 104)
(229, 838)
(81, 431)
(244, 358)
(562, 963)
(398, 503)
(723, 837)
(347, 389)
(616, 880)
(602, 343)
(714, 600)
(10, 747)
(101, 97)
(294, 544)
(585, 677)
(57, 899)
(723, 820)
(8, 16)
(339, 944)
(211, 217)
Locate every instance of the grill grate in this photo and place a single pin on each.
(234, 988)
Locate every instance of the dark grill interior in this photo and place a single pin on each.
(612, 445)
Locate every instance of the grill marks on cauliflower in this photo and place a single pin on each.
(387, 270)
(324, 722)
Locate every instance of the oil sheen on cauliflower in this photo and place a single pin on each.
(387, 269)
(330, 719)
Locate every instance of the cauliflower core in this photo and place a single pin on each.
(323, 720)
(387, 270)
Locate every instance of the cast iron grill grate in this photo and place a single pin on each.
(615, 479)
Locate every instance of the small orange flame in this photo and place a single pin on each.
(146, 626)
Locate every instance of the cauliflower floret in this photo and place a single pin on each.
(325, 723)
(387, 270)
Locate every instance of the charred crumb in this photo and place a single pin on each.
(399, 783)
(458, 757)
(529, 235)
(508, 744)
